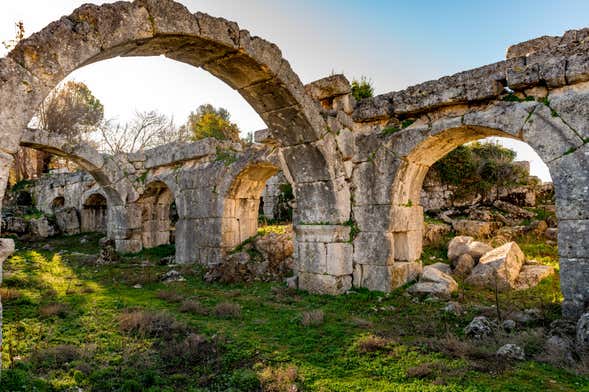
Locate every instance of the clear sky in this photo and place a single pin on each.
(394, 43)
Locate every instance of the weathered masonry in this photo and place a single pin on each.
(356, 167)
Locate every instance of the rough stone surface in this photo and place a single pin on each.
(531, 275)
(511, 352)
(479, 328)
(499, 268)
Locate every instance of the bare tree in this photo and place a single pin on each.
(147, 130)
(20, 34)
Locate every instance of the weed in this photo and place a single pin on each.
(282, 379)
(54, 310)
(227, 310)
(169, 296)
(312, 318)
(195, 307)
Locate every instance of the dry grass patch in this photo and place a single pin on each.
(150, 324)
(372, 343)
(169, 296)
(9, 294)
(281, 379)
(312, 318)
(55, 357)
(55, 309)
(194, 307)
(227, 310)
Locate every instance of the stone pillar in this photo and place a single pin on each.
(323, 255)
(570, 174)
(124, 227)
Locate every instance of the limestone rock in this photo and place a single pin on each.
(292, 282)
(434, 282)
(434, 233)
(583, 332)
(551, 233)
(508, 325)
(464, 265)
(531, 275)
(14, 224)
(511, 352)
(68, 221)
(473, 228)
(442, 267)
(108, 254)
(453, 308)
(173, 276)
(501, 266)
(464, 244)
(479, 328)
(40, 228)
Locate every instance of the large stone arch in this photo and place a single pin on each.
(251, 65)
(550, 131)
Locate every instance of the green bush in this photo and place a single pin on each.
(362, 88)
(477, 167)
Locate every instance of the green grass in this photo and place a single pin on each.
(267, 335)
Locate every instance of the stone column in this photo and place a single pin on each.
(124, 227)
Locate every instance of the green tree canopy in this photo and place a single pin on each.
(70, 110)
(209, 121)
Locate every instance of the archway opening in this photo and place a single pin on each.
(242, 205)
(158, 215)
(94, 214)
(463, 198)
(57, 203)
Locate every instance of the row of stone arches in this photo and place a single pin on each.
(345, 172)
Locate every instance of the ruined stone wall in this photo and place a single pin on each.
(69, 186)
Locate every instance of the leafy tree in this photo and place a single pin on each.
(209, 121)
(70, 110)
(478, 167)
(362, 88)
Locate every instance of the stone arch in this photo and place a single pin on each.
(251, 65)
(242, 202)
(155, 203)
(547, 131)
(58, 202)
(93, 214)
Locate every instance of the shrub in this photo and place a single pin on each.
(281, 379)
(55, 357)
(53, 310)
(362, 88)
(195, 307)
(8, 294)
(372, 343)
(312, 318)
(193, 350)
(169, 296)
(150, 324)
(228, 310)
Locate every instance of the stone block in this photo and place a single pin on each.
(406, 218)
(329, 87)
(311, 257)
(324, 284)
(573, 238)
(374, 248)
(322, 233)
(571, 184)
(408, 245)
(339, 259)
(128, 246)
(548, 134)
(385, 277)
(574, 275)
(372, 217)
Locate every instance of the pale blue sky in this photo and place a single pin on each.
(394, 43)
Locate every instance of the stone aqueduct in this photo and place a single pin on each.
(356, 167)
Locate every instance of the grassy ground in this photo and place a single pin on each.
(69, 324)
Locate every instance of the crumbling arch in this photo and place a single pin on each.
(250, 65)
(242, 202)
(157, 226)
(93, 214)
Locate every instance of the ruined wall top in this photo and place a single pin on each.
(546, 61)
